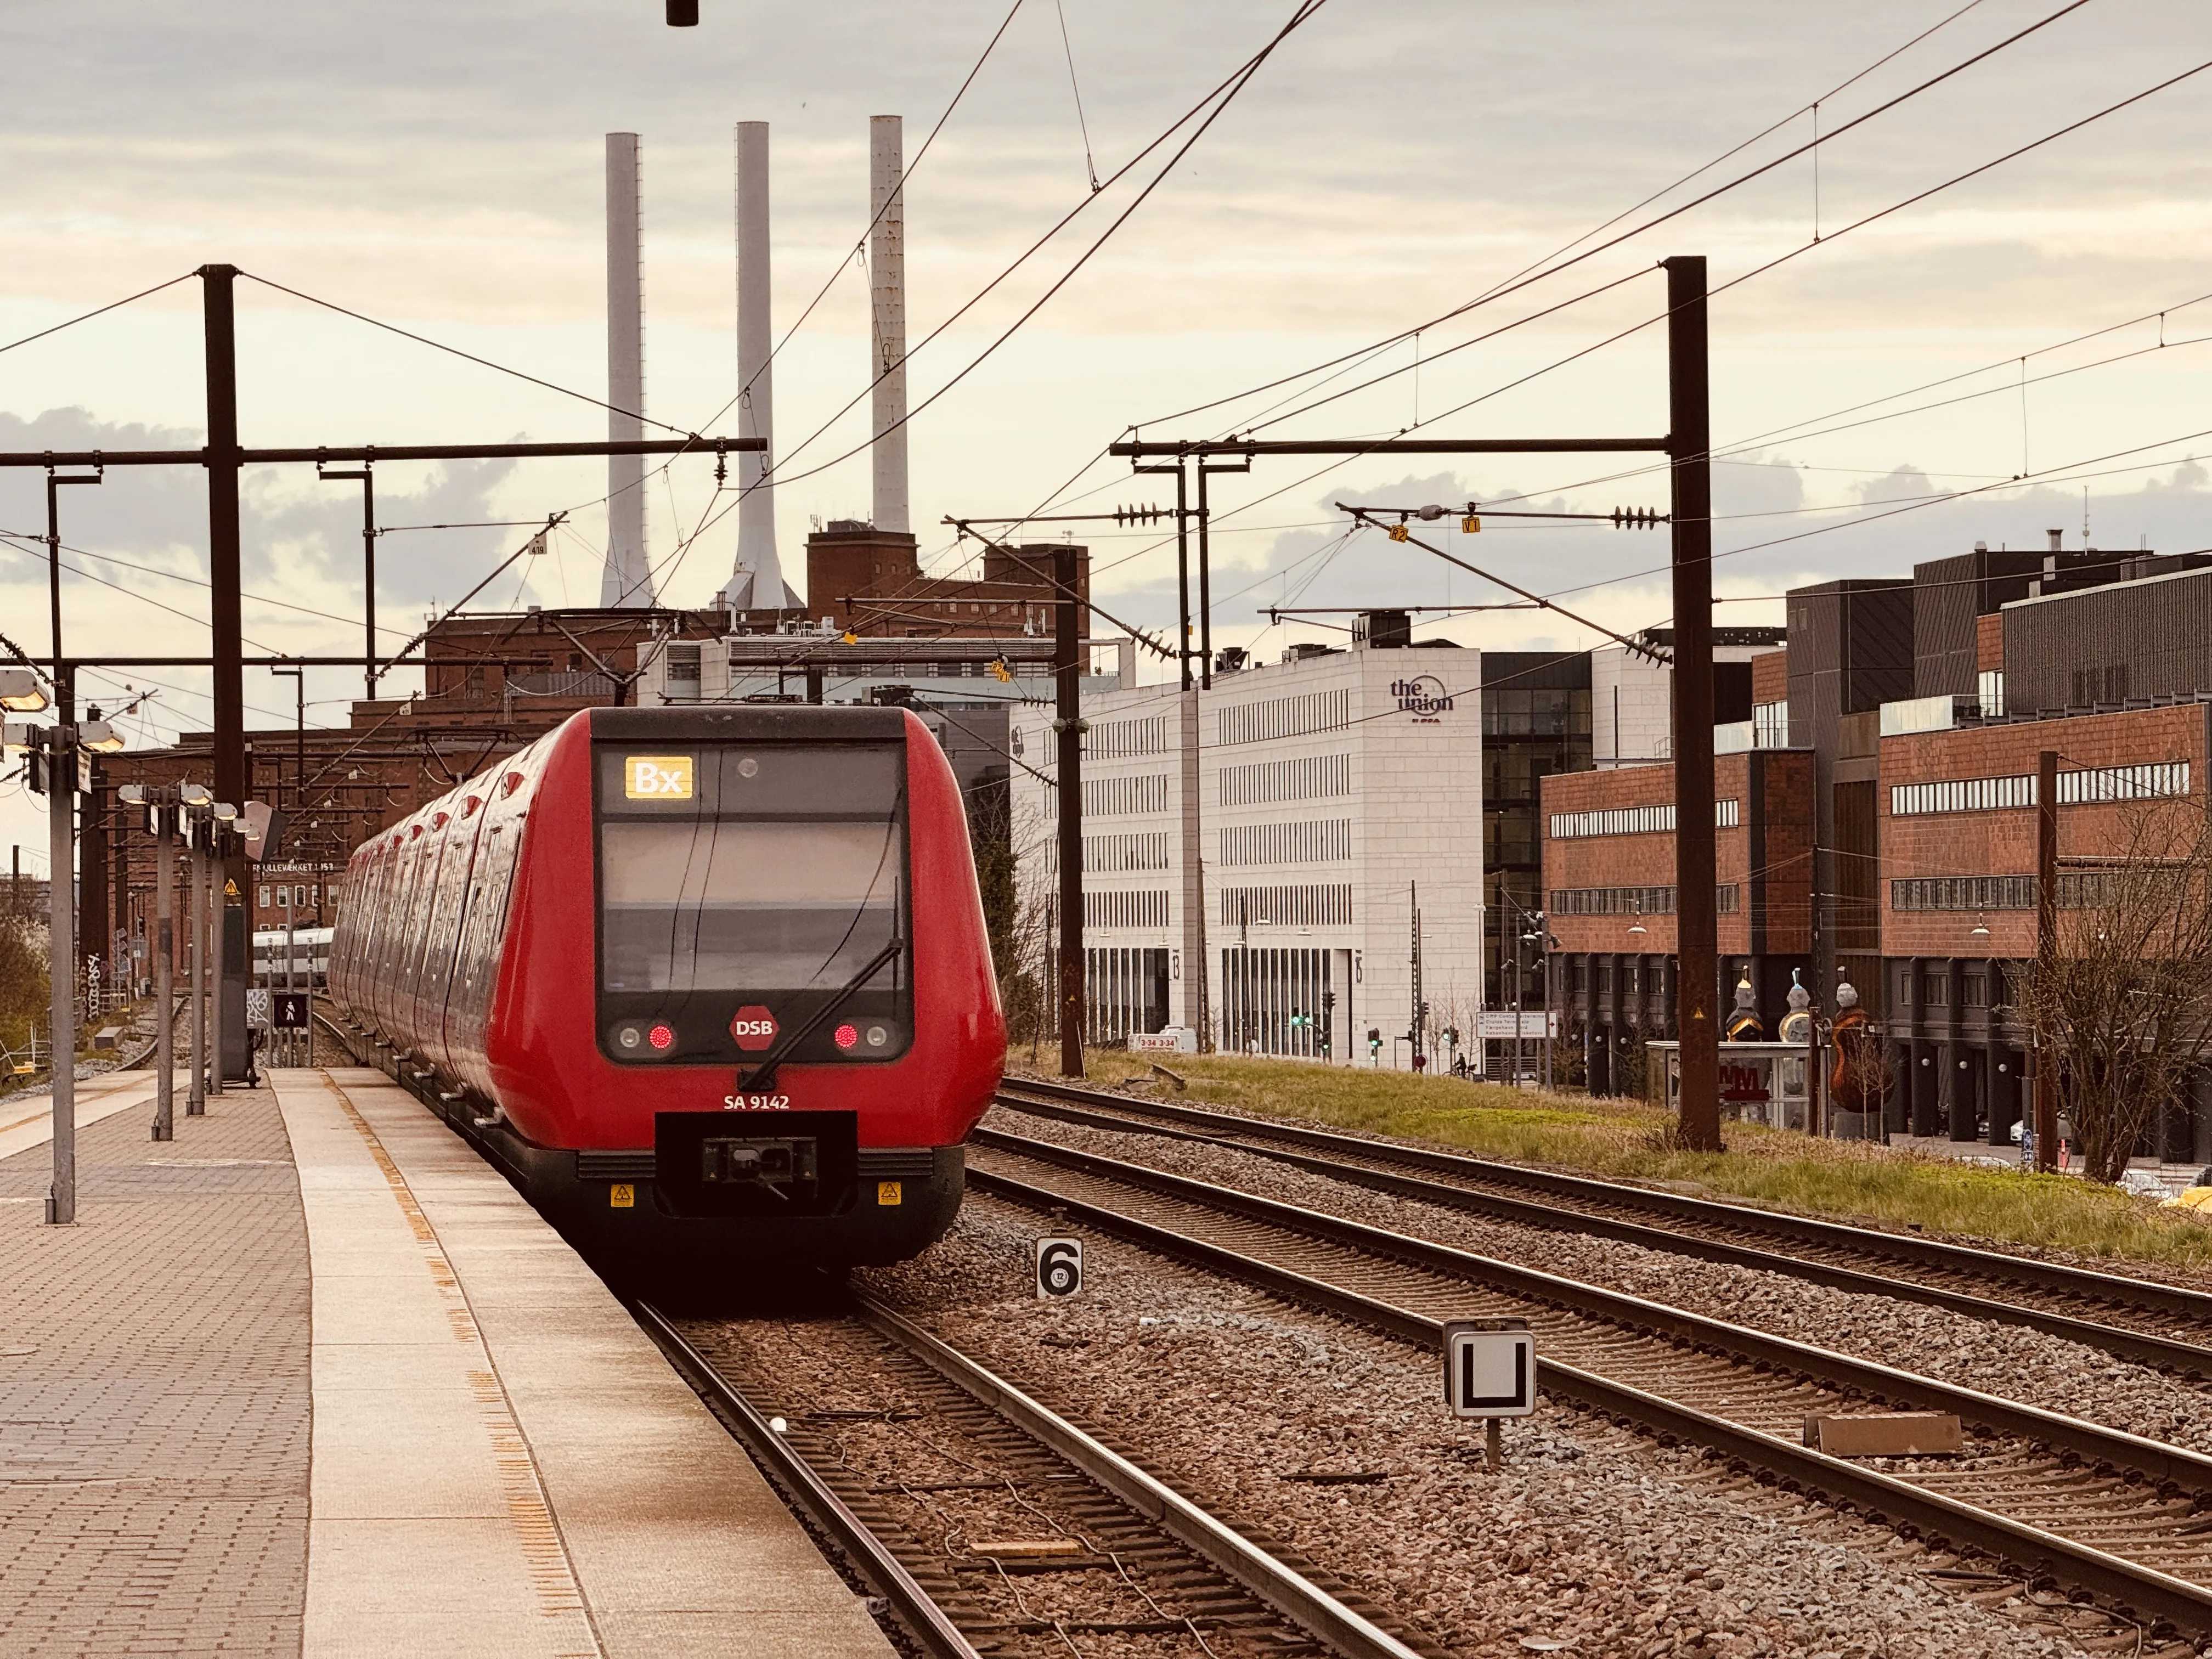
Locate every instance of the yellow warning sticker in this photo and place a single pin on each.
(230, 890)
(657, 777)
(622, 1196)
(890, 1192)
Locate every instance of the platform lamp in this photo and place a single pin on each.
(20, 692)
(53, 751)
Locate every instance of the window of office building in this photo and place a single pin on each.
(1275, 1001)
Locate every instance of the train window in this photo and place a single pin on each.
(735, 873)
(732, 905)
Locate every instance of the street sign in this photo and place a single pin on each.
(1495, 1024)
(1058, 1267)
(1490, 1367)
(290, 1008)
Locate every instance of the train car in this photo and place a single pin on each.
(310, 958)
(711, 984)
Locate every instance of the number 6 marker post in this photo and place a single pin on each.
(1058, 1267)
(1490, 1372)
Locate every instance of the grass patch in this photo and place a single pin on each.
(1627, 1140)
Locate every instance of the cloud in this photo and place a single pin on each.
(299, 542)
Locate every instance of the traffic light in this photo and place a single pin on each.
(1328, 1002)
(1374, 1039)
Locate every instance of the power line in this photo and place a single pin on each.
(1770, 265)
(1222, 94)
(191, 582)
(906, 173)
(1220, 98)
(1514, 284)
(468, 356)
(1067, 47)
(101, 311)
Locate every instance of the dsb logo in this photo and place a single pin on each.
(657, 777)
(754, 1028)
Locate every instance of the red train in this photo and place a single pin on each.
(711, 984)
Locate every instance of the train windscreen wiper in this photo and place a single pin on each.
(764, 1073)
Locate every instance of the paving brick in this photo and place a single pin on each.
(154, 1441)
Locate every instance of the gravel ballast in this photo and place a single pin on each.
(1590, 1541)
(2010, 1360)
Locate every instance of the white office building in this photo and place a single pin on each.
(1253, 854)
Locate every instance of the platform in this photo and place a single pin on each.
(311, 1379)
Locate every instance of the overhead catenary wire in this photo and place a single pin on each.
(468, 356)
(1219, 99)
(1068, 48)
(100, 311)
(860, 249)
(1532, 274)
(1770, 265)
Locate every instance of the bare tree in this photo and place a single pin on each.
(2119, 1005)
(1025, 970)
(24, 996)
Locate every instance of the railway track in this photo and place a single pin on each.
(2118, 1519)
(988, 1523)
(2164, 1326)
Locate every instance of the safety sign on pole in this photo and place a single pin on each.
(1490, 1371)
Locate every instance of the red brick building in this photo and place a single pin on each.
(1610, 895)
(1957, 832)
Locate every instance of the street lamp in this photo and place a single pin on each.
(20, 692)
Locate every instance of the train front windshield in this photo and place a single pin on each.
(752, 877)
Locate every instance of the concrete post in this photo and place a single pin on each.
(61, 925)
(165, 956)
(195, 1092)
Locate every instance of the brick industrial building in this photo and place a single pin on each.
(1909, 714)
(1609, 891)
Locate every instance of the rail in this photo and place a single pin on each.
(1312, 1610)
(1710, 1230)
(2140, 1491)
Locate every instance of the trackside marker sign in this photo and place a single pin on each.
(657, 777)
(754, 1027)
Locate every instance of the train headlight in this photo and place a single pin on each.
(628, 1038)
(846, 1037)
(877, 1037)
(662, 1037)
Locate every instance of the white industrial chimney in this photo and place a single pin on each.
(887, 276)
(757, 580)
(628, 580)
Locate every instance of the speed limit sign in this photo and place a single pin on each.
(1058, 1267)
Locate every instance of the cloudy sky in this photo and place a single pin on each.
(439, 168)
